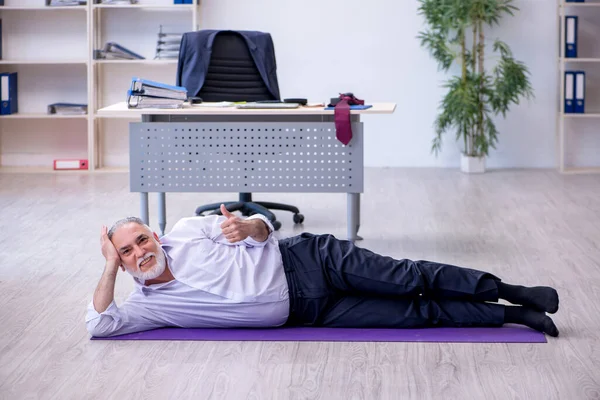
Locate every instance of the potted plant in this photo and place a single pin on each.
(455, 32)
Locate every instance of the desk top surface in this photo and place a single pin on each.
(121, 110)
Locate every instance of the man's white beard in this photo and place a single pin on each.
(154, 272)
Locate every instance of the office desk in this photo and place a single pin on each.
(202, 149)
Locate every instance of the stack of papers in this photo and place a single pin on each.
(149, 94)
(167, 46)
(67, 109)
(114, 51)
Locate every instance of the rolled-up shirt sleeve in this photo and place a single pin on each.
(250, 241)
(128, 318)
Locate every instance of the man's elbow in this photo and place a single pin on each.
(96, 330)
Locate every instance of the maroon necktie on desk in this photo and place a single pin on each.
(343, 127)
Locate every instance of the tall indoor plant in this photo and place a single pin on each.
(456, 33)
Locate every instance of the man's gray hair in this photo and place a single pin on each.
(125, 221)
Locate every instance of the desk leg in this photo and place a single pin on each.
(162, 212)
(353, 216)
(144, 214)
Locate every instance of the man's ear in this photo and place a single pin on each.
(156, 237)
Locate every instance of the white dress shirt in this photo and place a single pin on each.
(217, 284)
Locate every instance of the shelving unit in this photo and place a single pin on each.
(52, 49)
(576, 130)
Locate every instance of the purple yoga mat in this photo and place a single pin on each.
(505, 334)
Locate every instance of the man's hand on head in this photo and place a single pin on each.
(236, 229)
(110, 253)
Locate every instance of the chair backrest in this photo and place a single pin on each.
(232, 74)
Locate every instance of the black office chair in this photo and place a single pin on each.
(232, 75)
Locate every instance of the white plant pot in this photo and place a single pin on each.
(472, 165)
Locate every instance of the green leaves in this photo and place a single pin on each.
(510, 80)
(476, 97)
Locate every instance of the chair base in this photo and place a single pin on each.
(248, 207)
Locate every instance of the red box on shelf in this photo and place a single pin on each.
(70, 164)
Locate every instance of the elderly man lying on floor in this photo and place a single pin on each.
(225, 271)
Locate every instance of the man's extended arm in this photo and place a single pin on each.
(236, 229)
(261, 230)
(105, 291)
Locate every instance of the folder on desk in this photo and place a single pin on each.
(8, 93)
(141, 101)
(569, 92)
(571, 27)
(579, 92)
(147, 87)
(354, 107)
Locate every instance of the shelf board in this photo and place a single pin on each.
(43, 8)
(585, 115)
(592, 60)
(41, 115)
(41, 62)
(39, 170)
(565, 4)
(582, 170)
(146, 61)
(172, 7)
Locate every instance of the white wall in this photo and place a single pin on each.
(323, 48)
(370, 48)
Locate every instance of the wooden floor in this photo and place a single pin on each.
(528, 227)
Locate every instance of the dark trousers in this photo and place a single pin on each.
(337, 284)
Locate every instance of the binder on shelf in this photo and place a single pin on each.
(579, 92)
(61, 164)
(67, 109)
(177, 1)
(571, 25)
(116, 2)
(1, 37)
(8, 93)
(114, 50)
(65, 3)
(569, 92)
(188, 2)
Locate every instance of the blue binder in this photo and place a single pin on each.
(579, 92)
(8, 93)
(569, 92)
(571, 28)
(138, 84)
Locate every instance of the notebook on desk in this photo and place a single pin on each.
(267, 105)
(354, 107)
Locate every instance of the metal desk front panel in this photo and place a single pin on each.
(244, 157)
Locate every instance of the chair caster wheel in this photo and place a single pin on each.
(276, 225)
(298, 218)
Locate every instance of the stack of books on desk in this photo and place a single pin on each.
(167, 46)
(114, 51)
(149, 94)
